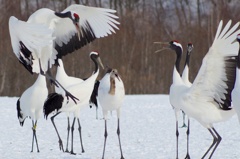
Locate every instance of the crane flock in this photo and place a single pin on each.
(47, 36)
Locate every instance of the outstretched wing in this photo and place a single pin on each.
(28, 40)
(94, 23)
(216, 77)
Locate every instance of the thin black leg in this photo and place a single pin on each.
(80, 134)
(219, 138)
(118, 132)
(72, 129)
(35, 134)
(105, 138)
(59, 138)
(177, 134)
(188, 132)
(68, 129)
(56, 83)
(213, 143)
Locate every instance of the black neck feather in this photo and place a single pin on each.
(187, 59)
(63, 15)
(94, 59)
(178, 60)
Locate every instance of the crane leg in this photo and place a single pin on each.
(118, 132)
(105, 136)
(215, 140)
(68, 129)
(219, 138)
(72, 129)
(177, 133)
(34, 135)
(56, 83)
(80, 134)
(59, 138)
(188, 132)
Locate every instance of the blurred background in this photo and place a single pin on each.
(131, 49)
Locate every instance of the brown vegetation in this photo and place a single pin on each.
(131, 49)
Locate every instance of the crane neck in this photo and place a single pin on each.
(41, 81)
(187, 59)
(112, 86)
(63, 15)
(178, 60)
(95, 63)
(176, 71)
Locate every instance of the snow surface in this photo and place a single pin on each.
(147, 132)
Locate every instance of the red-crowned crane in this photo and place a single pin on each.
(57, 103)
(48, 35)
(67, 81)
(177, 47)
(30, 104)
(209, 98)
(185, 74)
(111, 93)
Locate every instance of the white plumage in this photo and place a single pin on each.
(64, 79)
(31, 102)
(66, 82)
(177, 47)
(208, 100)
(31, 42)
(110, 102)
(111, 93)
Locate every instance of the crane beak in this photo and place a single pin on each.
(234, 41)
(115, 72)
(164, 46)
(100, 62)
(117, 77)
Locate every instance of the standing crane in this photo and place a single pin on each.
(177, 47)
(110, 96)
(58, 103)
(209, 98)
(30, 104)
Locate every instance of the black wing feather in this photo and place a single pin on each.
(87, 35)
(53, 103)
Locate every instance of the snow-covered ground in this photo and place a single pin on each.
(147, 132)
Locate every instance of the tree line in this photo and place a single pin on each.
(131, 49)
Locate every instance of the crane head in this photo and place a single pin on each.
(174, 45)
(114, 73)
(189, 47)
(95, 55)
(75, 18)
